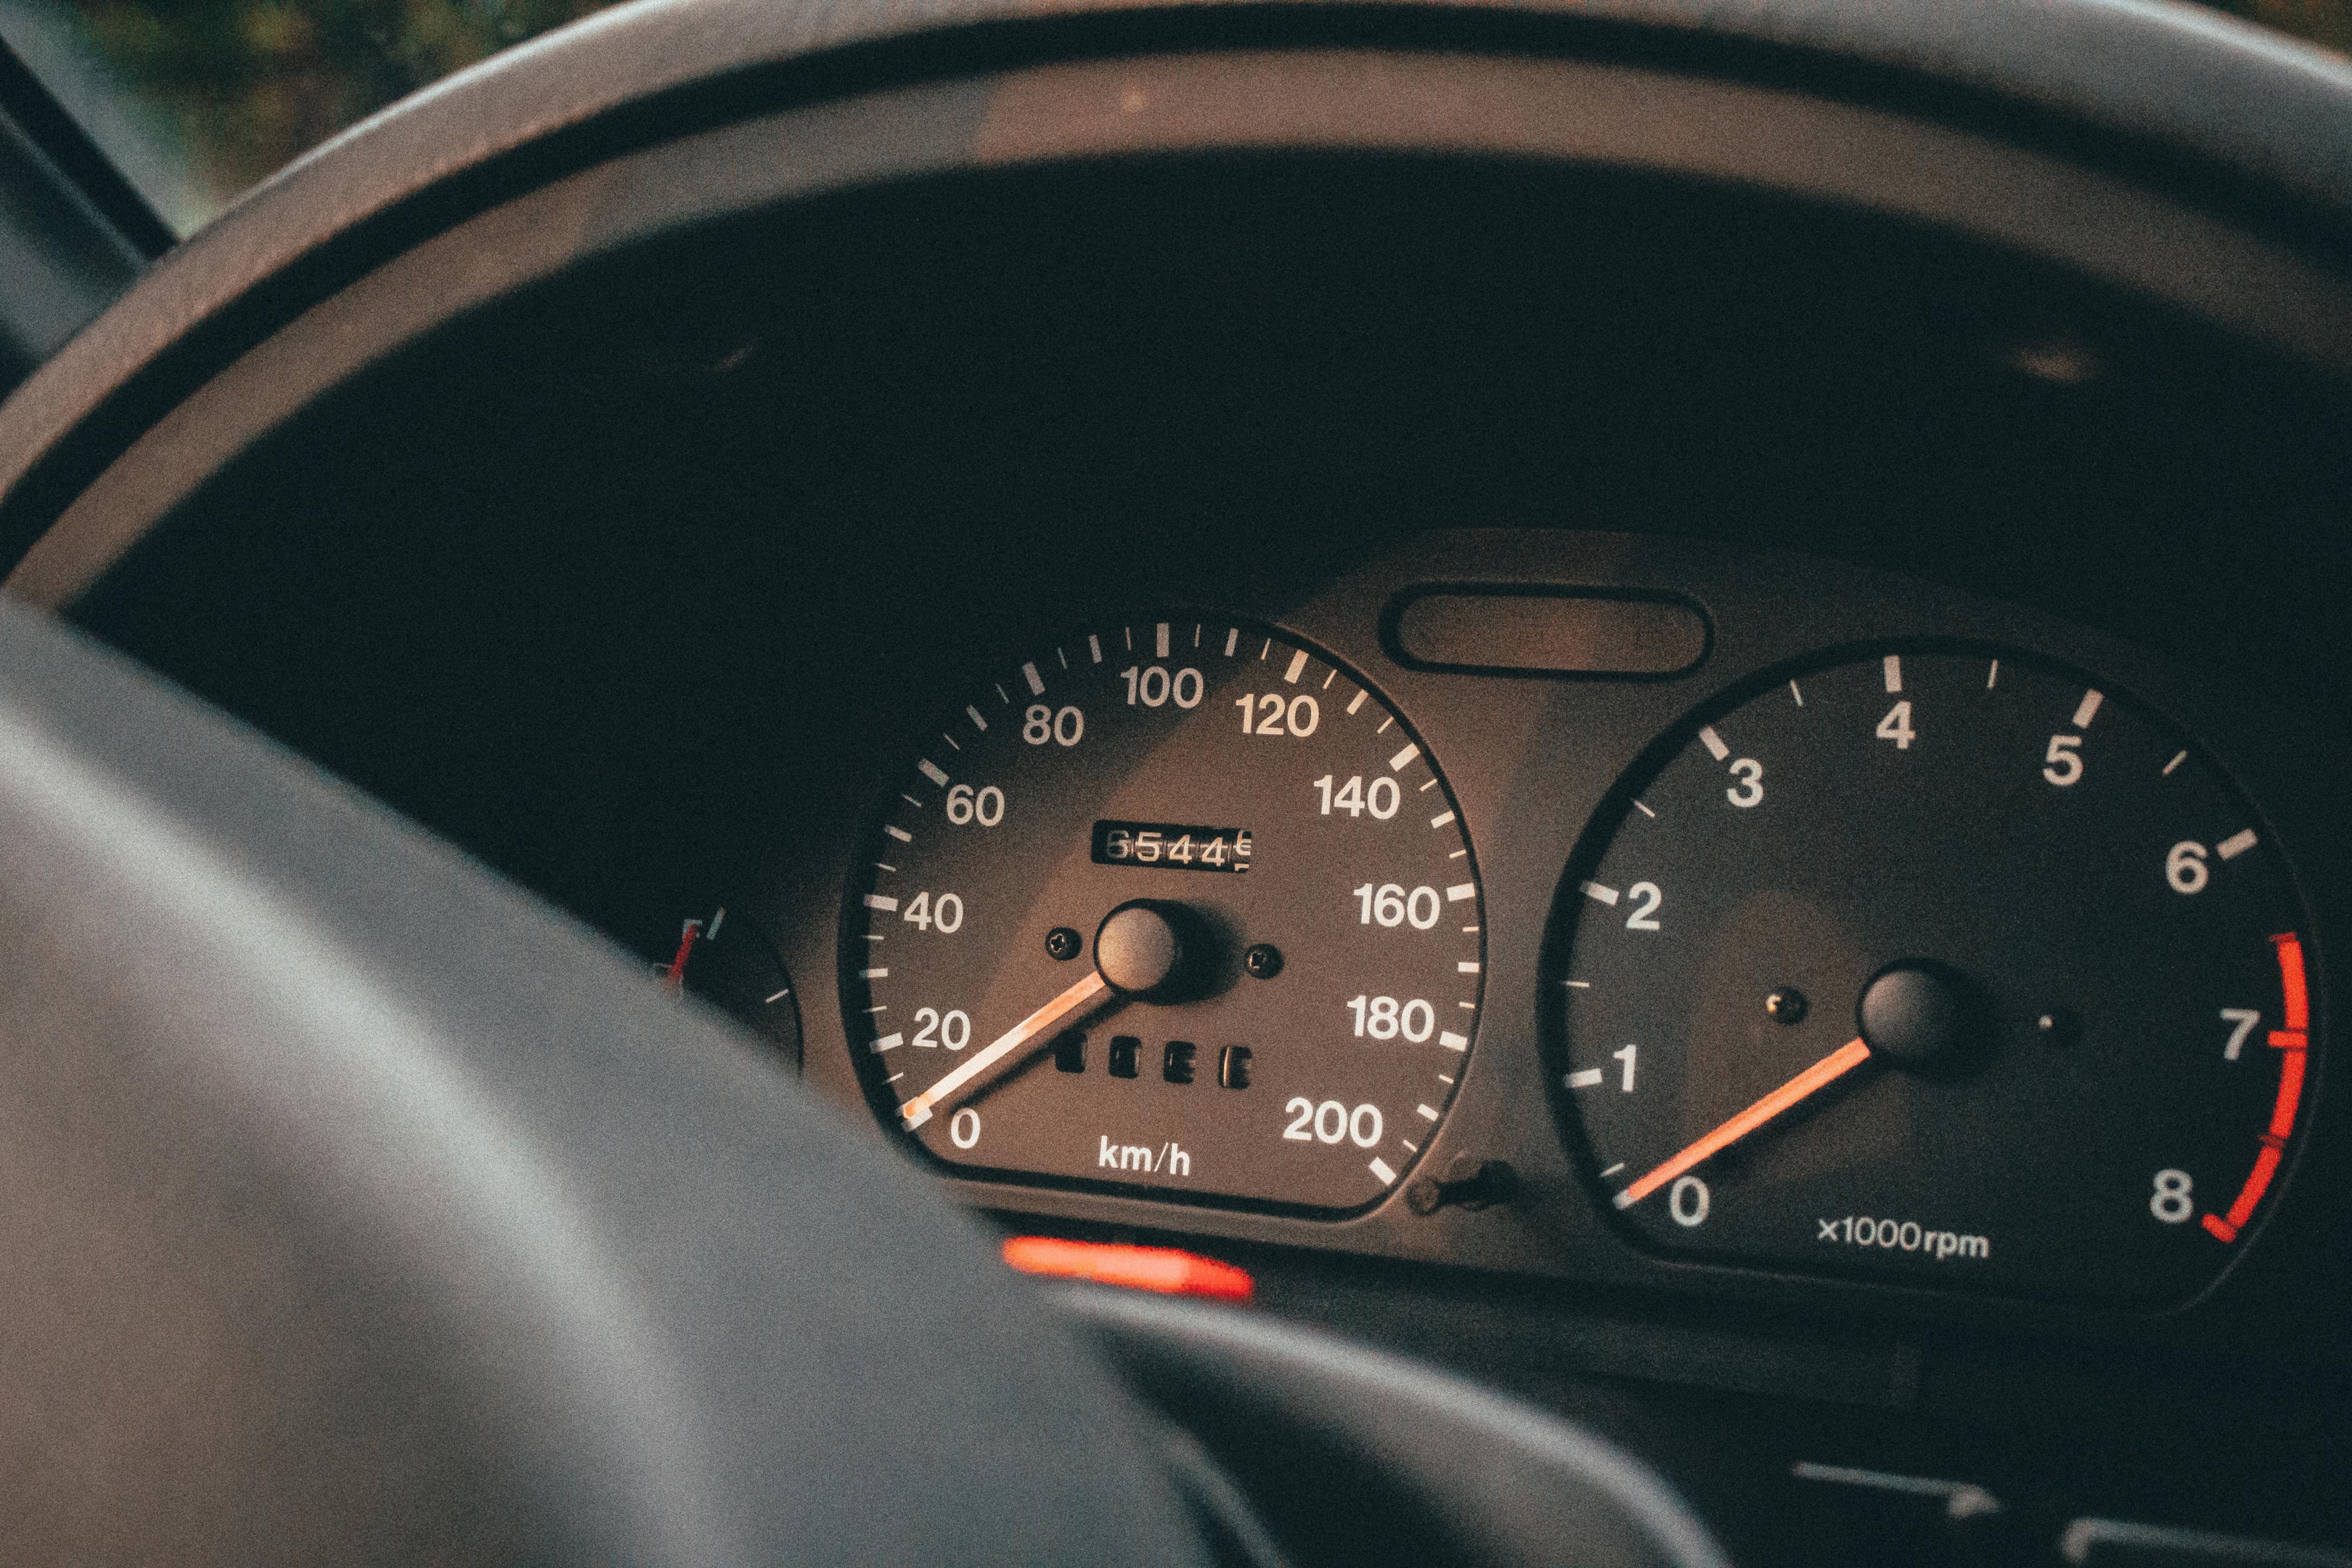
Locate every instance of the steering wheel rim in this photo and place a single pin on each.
(2246, 135)
(364, 1209)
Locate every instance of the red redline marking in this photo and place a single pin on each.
(2294, 1046)
(2298, 996)
(2266, 1163)
(2290, 1092)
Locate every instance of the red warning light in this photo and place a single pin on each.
(1166, 1269)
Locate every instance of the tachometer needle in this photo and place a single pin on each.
(1818, 1076)
(917, 1111)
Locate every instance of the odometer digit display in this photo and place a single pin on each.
(1176, 904)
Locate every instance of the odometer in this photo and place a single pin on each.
(1176, 904)
(1947, 966)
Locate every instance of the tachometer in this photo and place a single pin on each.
(1176, 903)
(1946, 965)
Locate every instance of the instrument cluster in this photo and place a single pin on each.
(1577, 904)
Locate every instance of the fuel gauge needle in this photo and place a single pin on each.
(1060, 1010)
(1810, 1081)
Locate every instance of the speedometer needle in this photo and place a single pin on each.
(1814, 1078)
(917, 1111)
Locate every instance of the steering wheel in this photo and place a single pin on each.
(361, 1207)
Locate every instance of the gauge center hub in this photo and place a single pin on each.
(1144, 948)
(1912, 1013)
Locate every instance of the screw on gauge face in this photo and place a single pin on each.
(2059, 1027)
(1062, 942)
(1264, 961)
(1786, 1005)
(1473, 1183)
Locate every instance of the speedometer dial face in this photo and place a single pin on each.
(1174, 904)
(1945, 966)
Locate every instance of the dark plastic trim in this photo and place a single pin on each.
(2256, 113)
(1514, 1483)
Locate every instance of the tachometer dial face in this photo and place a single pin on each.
(1175, 904)
(1945, 966)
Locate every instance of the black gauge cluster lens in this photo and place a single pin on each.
(1174, 903)
(1946, 967)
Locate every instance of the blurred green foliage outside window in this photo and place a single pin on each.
(230, 90)
(199, 100)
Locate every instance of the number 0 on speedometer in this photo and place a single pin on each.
(1175, 904)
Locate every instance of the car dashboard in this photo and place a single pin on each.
(1712, 800)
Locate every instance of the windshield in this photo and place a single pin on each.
(196, 100)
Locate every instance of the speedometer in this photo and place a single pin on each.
(1177, 904)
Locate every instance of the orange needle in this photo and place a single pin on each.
(1818, 1076)
(1052, 1015)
